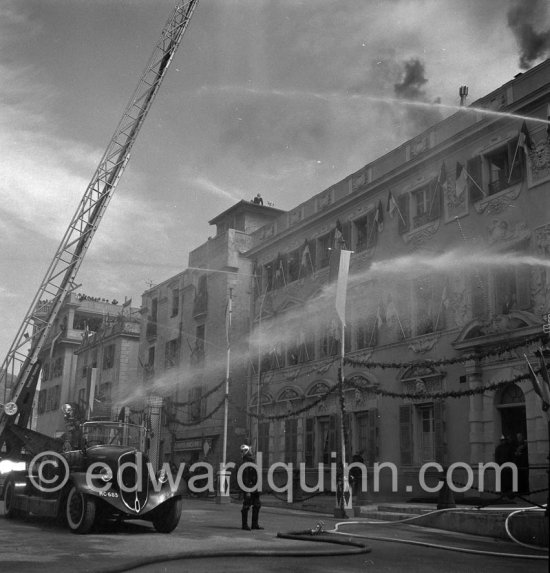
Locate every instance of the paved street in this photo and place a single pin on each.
(212, 532)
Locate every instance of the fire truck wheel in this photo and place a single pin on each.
(80, 511)
(168, 515)
(9, 499)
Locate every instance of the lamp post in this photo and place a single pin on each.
(343, 497)
(223, 492)
(258, 400)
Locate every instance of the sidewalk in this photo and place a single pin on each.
(526, 526)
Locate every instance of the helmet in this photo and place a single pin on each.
(245, 449)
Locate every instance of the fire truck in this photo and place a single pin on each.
(100, 470)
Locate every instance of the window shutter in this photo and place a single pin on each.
(310, 442)
(333, 433)
(372, 440)
(523, 286)
(473, 169)
(405, 434)
(403, 214)
(439, 430)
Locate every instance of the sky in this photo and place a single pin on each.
(280, 97)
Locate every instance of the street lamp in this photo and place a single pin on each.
(223, 496)
(258, 397)
(343, 496)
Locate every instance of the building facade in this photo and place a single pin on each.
(448, 288)
(79, 315)
(107, 377)
(194, 336)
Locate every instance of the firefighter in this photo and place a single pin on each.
(250, 480)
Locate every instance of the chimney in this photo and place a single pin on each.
(463, 93)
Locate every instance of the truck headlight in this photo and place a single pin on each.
(106, 474)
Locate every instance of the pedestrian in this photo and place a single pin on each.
(249, 477)
(521, 458)
(504, 453)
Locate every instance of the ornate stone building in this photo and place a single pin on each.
(448, 289)
(80, 316)
(187, 344)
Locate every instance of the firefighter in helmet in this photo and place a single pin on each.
(251, 498)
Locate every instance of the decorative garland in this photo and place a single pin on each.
(438, 395)
(321, 398)
(202, 397)
(498, 351)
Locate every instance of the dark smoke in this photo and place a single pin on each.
(521, 19)
(411, 89)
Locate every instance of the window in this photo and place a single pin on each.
(197, 354)
(366, 232)
(422, 433)
(46, 371)
(427, 433)
(42, 401)
(309, 452)
(201, 297)
(171, 353)
(293, 266)
(151, 330)
(497, 170)
(366, 428)
(429, 295)
(197, 405)
(150, 366)
(108, 357)
(323, 250)
(103, 393)
(57, 367)
(291, 441)
(175, 301)
(263, 442)
(425, 204)
(267, 277)
(328, 436)
(366, 332)
(512, 289)
(501, 173)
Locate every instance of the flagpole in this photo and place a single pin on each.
(475, 183)
(514, 159)
(223, 496)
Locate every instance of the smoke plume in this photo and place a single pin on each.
(411, 89)
(522, 17)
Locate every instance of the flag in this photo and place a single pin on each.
(126, 302)
(524, 139)
(461, 180)
(379, 217)
(391, 205)
(439, 188)
(342, 284)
